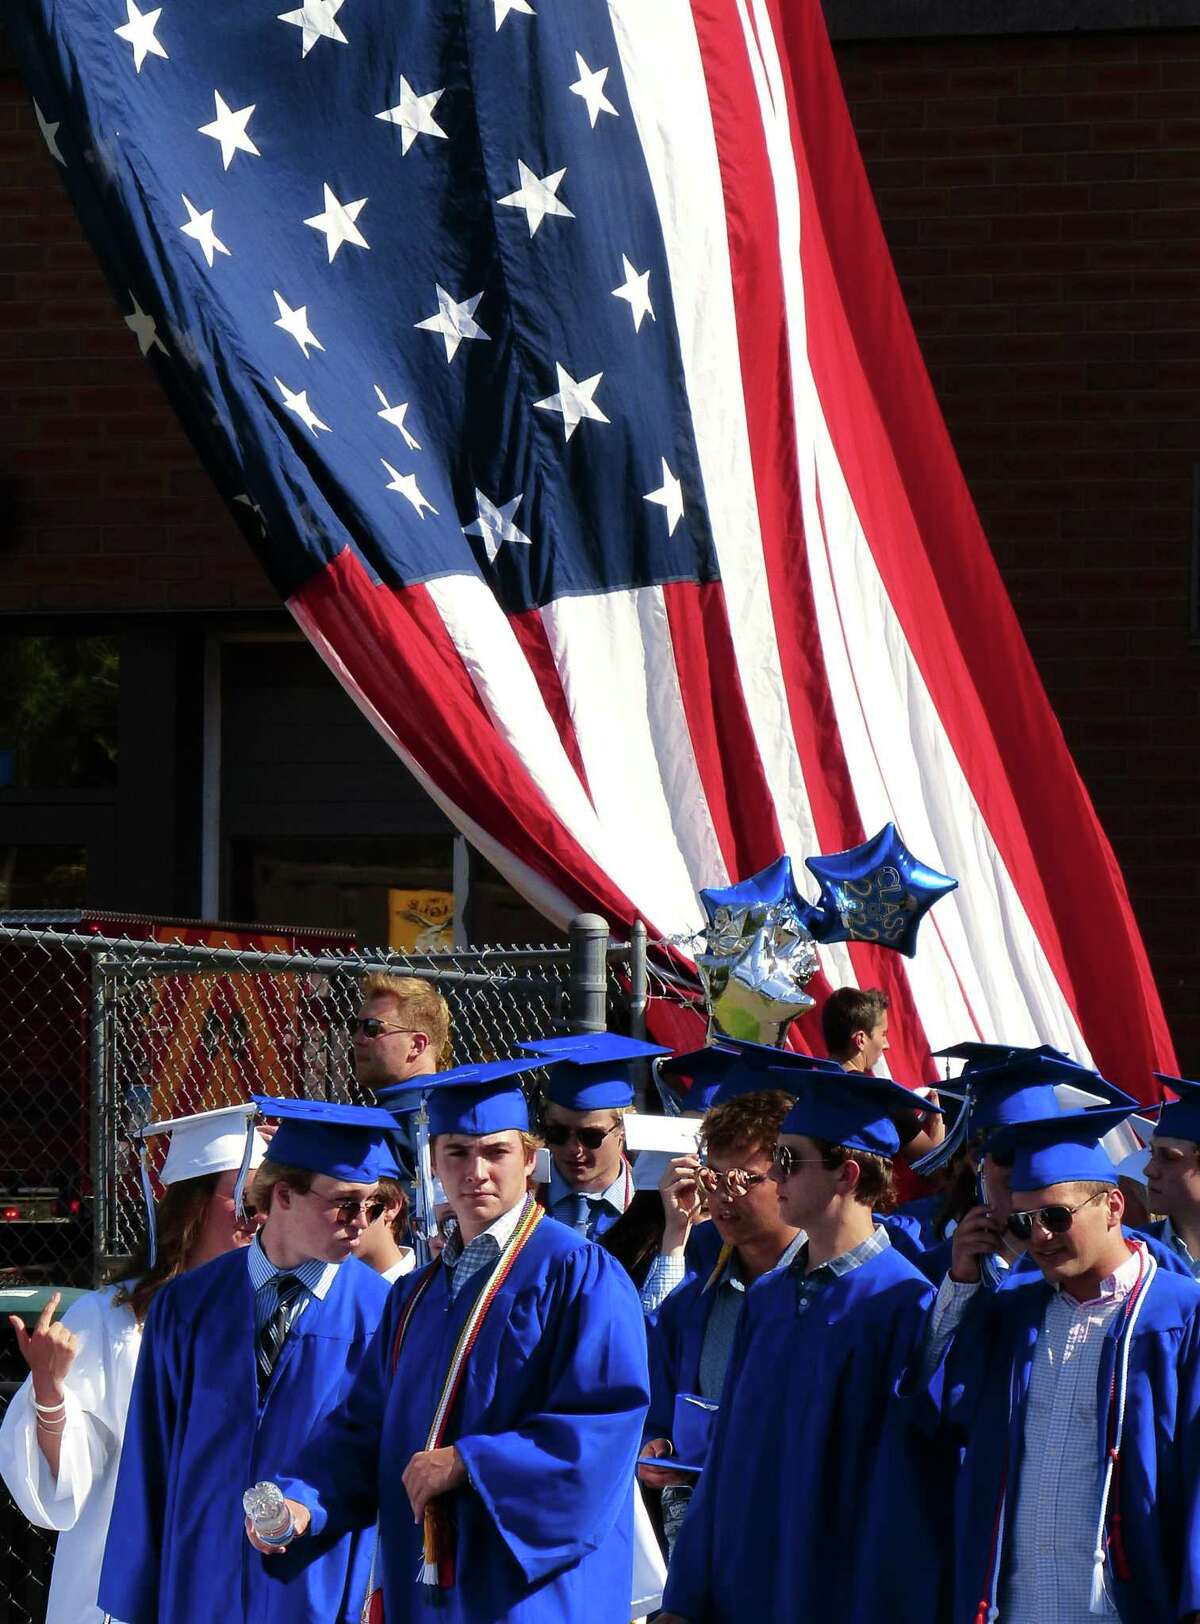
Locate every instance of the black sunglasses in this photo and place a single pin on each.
(372, 1028)
(1056, 1220)
(559, 1134)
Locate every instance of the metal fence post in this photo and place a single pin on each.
(102, 1126)
(639, 981)
(588, 979)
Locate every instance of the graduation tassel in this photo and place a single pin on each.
(437, 1568)
(148, 1197)
(239, 1188)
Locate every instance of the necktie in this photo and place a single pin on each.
(577, 1212)
(271, 1338)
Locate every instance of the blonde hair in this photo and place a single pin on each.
(419, 1005)
(270, 1174)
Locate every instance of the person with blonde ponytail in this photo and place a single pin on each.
(60, 1440)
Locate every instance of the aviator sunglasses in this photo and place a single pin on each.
(1056, 1220)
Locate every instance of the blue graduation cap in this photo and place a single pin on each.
(347, 1142)
(726, 1070)
(1180, 1119)
(1024, 1087)
(1061, 1149)
(692, 1427)
(589, 1071)
(480, 1098)
(975, 1055)
(852, 1108)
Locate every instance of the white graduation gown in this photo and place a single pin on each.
(80, 1502)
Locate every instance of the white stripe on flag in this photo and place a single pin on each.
(497, 666)
(614, 658)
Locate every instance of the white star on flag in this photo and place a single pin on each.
(229, 128)
(407, 485)
(295, 322)
(573, 400)
(669, 495)
(590, 85)
(413, 115)
(139, 32)
(495, 525)
(299, 405)
(200, 227)
(635, 290)
(395, 416)
(337, 222)
(503, 7)
(144, 328)
(49, 135)
(454, 321)
(315, 19)
(536, 197)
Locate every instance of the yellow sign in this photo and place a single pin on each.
(421, 921)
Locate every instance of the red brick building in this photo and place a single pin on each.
(1040, 191)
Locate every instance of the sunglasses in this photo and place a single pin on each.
(348, 1211)
(735, 1181)
(1055, 1220)
(559, 1134)
(371, 1028)
(785, 1159)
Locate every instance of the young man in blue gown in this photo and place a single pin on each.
(519, 1444)
(240, 1360)
(814, 1484)
(1074, 1397)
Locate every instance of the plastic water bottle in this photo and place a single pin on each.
(270, 1513)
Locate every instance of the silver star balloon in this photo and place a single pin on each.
(756, 956)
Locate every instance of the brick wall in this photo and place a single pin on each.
(1041, 195)
(102, 502)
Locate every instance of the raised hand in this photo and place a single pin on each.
(49, 1350)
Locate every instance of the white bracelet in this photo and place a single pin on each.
(49, 1409)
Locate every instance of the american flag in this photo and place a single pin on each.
(550, 356)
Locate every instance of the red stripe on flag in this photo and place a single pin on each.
(748, 189)
(400, 658)
(530, 631)
(939, 574)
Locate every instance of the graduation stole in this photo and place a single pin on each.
(437, 1567)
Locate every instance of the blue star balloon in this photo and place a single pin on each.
(758, 955)
(877, 892)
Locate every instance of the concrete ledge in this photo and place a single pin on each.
(912, 19)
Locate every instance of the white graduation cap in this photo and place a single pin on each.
(220, 1141)
(1134, 1150)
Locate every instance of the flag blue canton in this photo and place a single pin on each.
(401, 272)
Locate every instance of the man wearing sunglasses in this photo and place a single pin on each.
(691, 1336)
(242, 1359)
(815, 1489)
(589, 1087)
(1074, 1396)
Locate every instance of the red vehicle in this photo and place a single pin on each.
(171, 1041)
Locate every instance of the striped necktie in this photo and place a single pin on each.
(288, 1288)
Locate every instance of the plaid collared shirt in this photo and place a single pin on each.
(461, 1262)
(810, 1286)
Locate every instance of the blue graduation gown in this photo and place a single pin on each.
(548, 1424)
(197, 1438)
(815, 1487)
(979, 1397)
(675, 1334)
